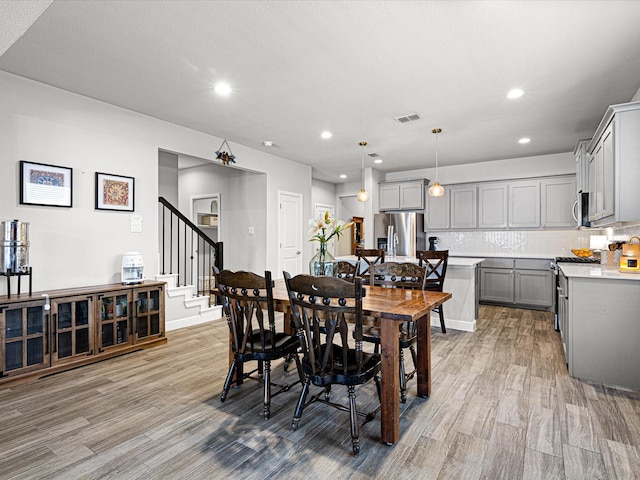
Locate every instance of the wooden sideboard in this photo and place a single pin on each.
(52, 331)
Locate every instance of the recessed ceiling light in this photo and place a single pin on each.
(268, 143)
(377, 160)
(222, 89)
(515, 93)
(343, 176)
(524, 140)
(326, 134)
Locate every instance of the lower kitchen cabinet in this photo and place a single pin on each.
(518, 282)
(600, 329)
(73, 327)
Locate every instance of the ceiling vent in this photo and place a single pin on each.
(408, 118)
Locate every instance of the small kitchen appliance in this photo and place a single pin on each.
(630, 258)
(433, 241)
(132, 268)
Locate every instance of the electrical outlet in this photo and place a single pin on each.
(251, 231)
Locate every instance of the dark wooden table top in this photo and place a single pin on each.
(393, 303)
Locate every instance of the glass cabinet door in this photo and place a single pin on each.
(72, 321)
(148, 316)
(24, 337)
(114, 323)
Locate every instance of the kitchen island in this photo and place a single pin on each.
(462, 281)
(599, 324)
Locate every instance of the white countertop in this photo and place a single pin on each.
(467, 262)
(578, 270)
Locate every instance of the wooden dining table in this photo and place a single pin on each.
(393, 305)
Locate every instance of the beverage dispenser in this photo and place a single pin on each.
(132, 268)
(14, 254)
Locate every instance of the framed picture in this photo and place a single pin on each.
(114, 192)
(46, 185)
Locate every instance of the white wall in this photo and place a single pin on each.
(82, 246)
(242, 205)
(525, 167)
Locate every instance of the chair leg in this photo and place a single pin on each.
(299, 367)
(327, 393)
(267, 389)
(441, 313)
(300, 406)
(227, 382)
(353, 413)
(403, 379)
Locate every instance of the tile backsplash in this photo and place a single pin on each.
(522, 243)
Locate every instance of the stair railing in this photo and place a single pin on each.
(187, 251)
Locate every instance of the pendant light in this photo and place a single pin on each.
(363, 196)
(436, 190)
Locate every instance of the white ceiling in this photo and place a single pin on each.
(300, 67)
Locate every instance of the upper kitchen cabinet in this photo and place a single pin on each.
(456, 209)
(464, 207)
(524, 204)
(436, 214)
(614, 167)
(558, 199)
(582, 165)
(407, 195)
(492, 205)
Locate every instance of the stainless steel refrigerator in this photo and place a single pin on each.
(403, 231)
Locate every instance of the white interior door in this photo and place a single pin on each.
(290, 228)
(320, 209)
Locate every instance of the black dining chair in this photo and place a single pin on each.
(347, 270)
(436, 263)
(247, 303)
(330, 354)
(369, 257)
(398, 275)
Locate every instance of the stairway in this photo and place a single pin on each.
(182, 308)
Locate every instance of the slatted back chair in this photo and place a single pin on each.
(347, 270)
(331, 355)
(399, 275)
(368, 258)
(436, 262)
(247, 303)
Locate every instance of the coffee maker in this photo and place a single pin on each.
(433, 241)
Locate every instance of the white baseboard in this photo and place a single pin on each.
(454, 324)
(194, 320)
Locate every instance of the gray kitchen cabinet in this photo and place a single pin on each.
(557, 198)
(614, 167)
(582, 165)
(407, 195)
(492, 206)
(463, 206)
(533, 283)
(601, 331)
(524, 204)
(517, 282)
(456, 209)
(437, 212)
(601, 175)
(496, 285)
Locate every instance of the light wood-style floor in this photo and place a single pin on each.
(503, 407)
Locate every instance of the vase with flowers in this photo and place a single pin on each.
(324, 228)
